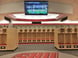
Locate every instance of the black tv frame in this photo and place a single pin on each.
(34, 14)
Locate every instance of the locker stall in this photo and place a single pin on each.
(8, 39)
(35, 33)
(66, 37)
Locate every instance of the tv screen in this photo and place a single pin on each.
(36, 7)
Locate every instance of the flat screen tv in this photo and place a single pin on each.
(36, 7)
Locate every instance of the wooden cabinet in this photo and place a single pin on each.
(35, 34)
(66, 38)
(8, 39)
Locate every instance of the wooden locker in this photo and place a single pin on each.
(9, 39)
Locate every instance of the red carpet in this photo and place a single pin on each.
(37, 55)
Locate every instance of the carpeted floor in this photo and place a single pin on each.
(38, 48)
(37, 55)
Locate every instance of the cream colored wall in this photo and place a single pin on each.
(19, 7)
(12, 7)
(60, 7)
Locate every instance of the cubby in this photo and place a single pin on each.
(35, 33)
(66, 38)
(8, 39)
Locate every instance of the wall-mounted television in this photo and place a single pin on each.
(36, 7)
